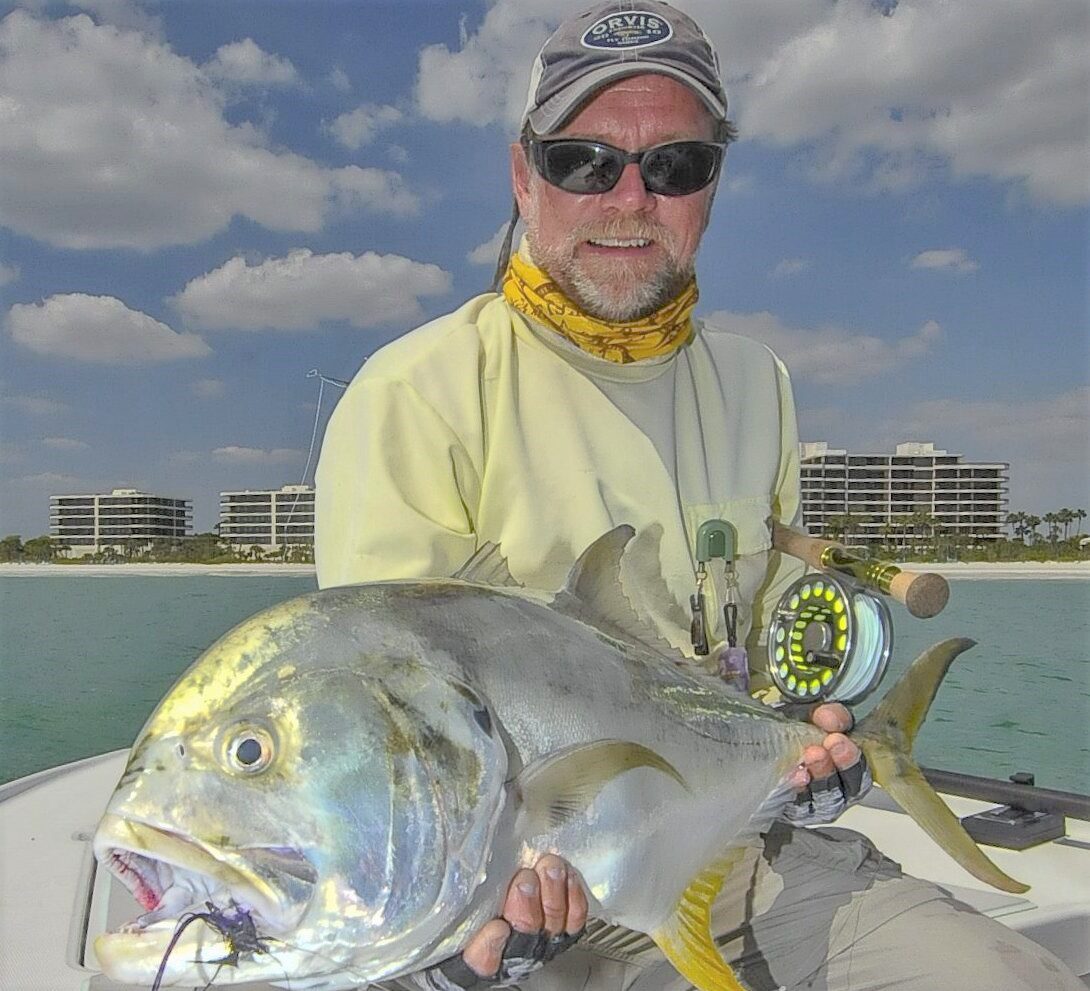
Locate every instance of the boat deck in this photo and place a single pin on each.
(53, 896)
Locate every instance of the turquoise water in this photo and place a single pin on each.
(83, 660)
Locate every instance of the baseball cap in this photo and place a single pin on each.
(610, 41)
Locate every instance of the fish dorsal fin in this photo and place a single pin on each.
(686, 937)
(594, 593)
(487, 566)
(559, 787)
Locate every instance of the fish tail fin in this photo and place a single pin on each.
(686, 938)
(886, 736)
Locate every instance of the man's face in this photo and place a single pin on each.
(622, 254)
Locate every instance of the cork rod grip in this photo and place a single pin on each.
(924, 594)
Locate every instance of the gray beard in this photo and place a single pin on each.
(643, 299)
(637, 300)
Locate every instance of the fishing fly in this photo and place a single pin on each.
(235, 926)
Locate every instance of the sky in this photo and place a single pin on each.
(202, 201)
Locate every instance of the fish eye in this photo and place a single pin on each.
(249, 749)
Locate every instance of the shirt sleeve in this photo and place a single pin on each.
(396, 490)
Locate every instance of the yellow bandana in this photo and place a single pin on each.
(532, 291)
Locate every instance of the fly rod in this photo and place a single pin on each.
(924, 594)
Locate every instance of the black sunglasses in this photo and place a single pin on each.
(677, 168)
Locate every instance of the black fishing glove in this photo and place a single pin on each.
(823, 801)
(522, 955)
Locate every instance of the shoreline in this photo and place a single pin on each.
(968, 570)
(151, 570)
(1067, 570)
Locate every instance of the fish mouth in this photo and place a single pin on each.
(174, 877)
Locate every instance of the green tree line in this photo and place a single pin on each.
(201, 548)
(920, 536)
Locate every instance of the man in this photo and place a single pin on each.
(583, 396)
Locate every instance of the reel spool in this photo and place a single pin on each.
(829, 640)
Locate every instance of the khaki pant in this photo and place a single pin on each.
(822, 910)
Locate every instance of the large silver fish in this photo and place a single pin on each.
(358, 773)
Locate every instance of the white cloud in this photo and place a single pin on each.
(828, 355)
(110, 139)
(65, 444)
(34, 405)
(980, 89)
(488, 252)
(303, 289)
(233, 454)
(339, 80)
(54, 481)
(246, 63)
(1055, 429)
(359, 126)
(121, 14)
(946, 259)
(208, 388)
(8, 274)
(791, 266)
(1045, 440)
(397, 153)
(484, 80)
(98, 329)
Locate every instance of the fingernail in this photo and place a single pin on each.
(842, 750)
(528, 887)
(556, 873)
(497, 944)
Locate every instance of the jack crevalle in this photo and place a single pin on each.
(357, 773)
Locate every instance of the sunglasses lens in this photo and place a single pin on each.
(581, 166)
(680, 168)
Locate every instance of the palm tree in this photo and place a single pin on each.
(1032, 522)
(1052, 521)
(921, 520)
(1017, 523)
(1080, 515)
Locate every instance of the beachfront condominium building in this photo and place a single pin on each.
(898, 500)
(268, 518)
(123, 518)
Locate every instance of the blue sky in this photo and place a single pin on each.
(201, 201)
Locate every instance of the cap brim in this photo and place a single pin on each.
(558, 108)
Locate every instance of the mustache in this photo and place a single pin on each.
(623, 228)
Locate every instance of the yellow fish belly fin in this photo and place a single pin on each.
(686, 938)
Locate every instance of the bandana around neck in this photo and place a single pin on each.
(531, 291)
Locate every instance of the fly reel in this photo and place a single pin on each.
(829, 640)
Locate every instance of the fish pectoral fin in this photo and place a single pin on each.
(686, 937)
(562, 785)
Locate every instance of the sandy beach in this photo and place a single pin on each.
(1005, 569)
(152, 570)
(973, 569)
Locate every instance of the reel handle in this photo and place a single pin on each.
(924, 594)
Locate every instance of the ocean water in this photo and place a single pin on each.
(83, 660)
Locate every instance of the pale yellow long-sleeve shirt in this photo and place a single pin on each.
(481, 426)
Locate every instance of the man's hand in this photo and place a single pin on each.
(543, 914)
(832, 776)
